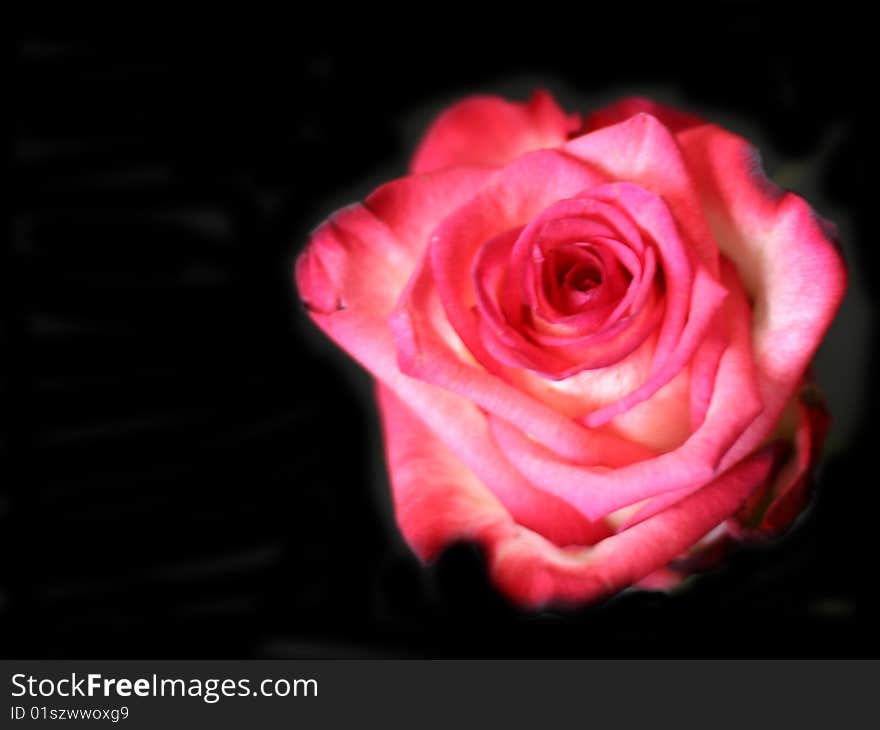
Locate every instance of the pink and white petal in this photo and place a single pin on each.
(413, 206)
(463, 429)
(590, 389)
(791, 493)
(706, 299)
(735, 400)
(387, 233)
(643, 151)
(352, 261)
(785, 255)
(788, 492)
(597, 491)
(674, 119)
(706, 553)
(704, 369)
(663, 579)
(535, 573)
(492, 131)
(438, 502)
(662, 422)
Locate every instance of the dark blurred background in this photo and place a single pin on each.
(190, 470)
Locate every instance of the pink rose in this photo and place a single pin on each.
(590, 341)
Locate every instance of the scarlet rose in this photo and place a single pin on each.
(590, 341)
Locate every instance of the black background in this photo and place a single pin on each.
(190, 470)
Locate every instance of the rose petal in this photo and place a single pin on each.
(422, 463)
(674, 119)
(663, 579)
(492, 131)
(706, 298)
(438, 502)
(771, 510)
(735, 393)
(785, 255)
(388, 235)
(411, 207)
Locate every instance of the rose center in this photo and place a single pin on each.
(582, 277)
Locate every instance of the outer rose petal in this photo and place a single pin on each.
(664, 579)
(489, 130)
(785, 256)
(675, 119)
(363, 255)
(413, 206)
(438, 502)
(770, 510)
(790, 492)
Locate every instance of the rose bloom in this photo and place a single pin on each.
(590, 341)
